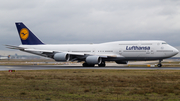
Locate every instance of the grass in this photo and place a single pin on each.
(96, 85)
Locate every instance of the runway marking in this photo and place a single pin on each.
(9, 67)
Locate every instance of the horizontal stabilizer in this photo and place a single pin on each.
(14, 47)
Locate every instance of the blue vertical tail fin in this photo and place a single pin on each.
(26, 36)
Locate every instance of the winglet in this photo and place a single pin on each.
(26, 36)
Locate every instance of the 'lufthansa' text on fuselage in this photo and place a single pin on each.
(138, 48)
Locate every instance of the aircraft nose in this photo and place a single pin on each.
(175, 51)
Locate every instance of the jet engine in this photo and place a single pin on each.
(93, 60)
(121, 62)
(61, 57)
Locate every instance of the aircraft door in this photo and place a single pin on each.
(152, 51)
(147, 51)
(120, 52)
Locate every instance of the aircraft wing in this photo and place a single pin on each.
(71, 53)
(50, 53)
(39, 52)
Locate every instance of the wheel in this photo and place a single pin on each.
(92, 65)
(159, 65)
(88, 65)
(85, 64)
(102, 64)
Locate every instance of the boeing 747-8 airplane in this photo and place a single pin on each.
(120, 51)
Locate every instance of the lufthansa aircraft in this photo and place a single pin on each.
(119, 51)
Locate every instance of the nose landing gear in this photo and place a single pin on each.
(159, 64)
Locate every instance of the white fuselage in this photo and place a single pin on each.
(120, 50)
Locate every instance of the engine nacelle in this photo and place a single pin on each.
(93, 60)
(61, 57)
(121, 62)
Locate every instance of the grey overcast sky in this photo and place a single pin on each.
(91, 21)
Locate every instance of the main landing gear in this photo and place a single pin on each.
(88, 65)
(159, 64)
(103, 64)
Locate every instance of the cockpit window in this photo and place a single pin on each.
(164, 43)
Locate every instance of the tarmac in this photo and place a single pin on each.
(52, 67)
(35, 66)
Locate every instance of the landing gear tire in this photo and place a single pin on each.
(88, 65)
(103, 64)
(159, 65)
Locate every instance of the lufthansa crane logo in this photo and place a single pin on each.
(24, 33)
